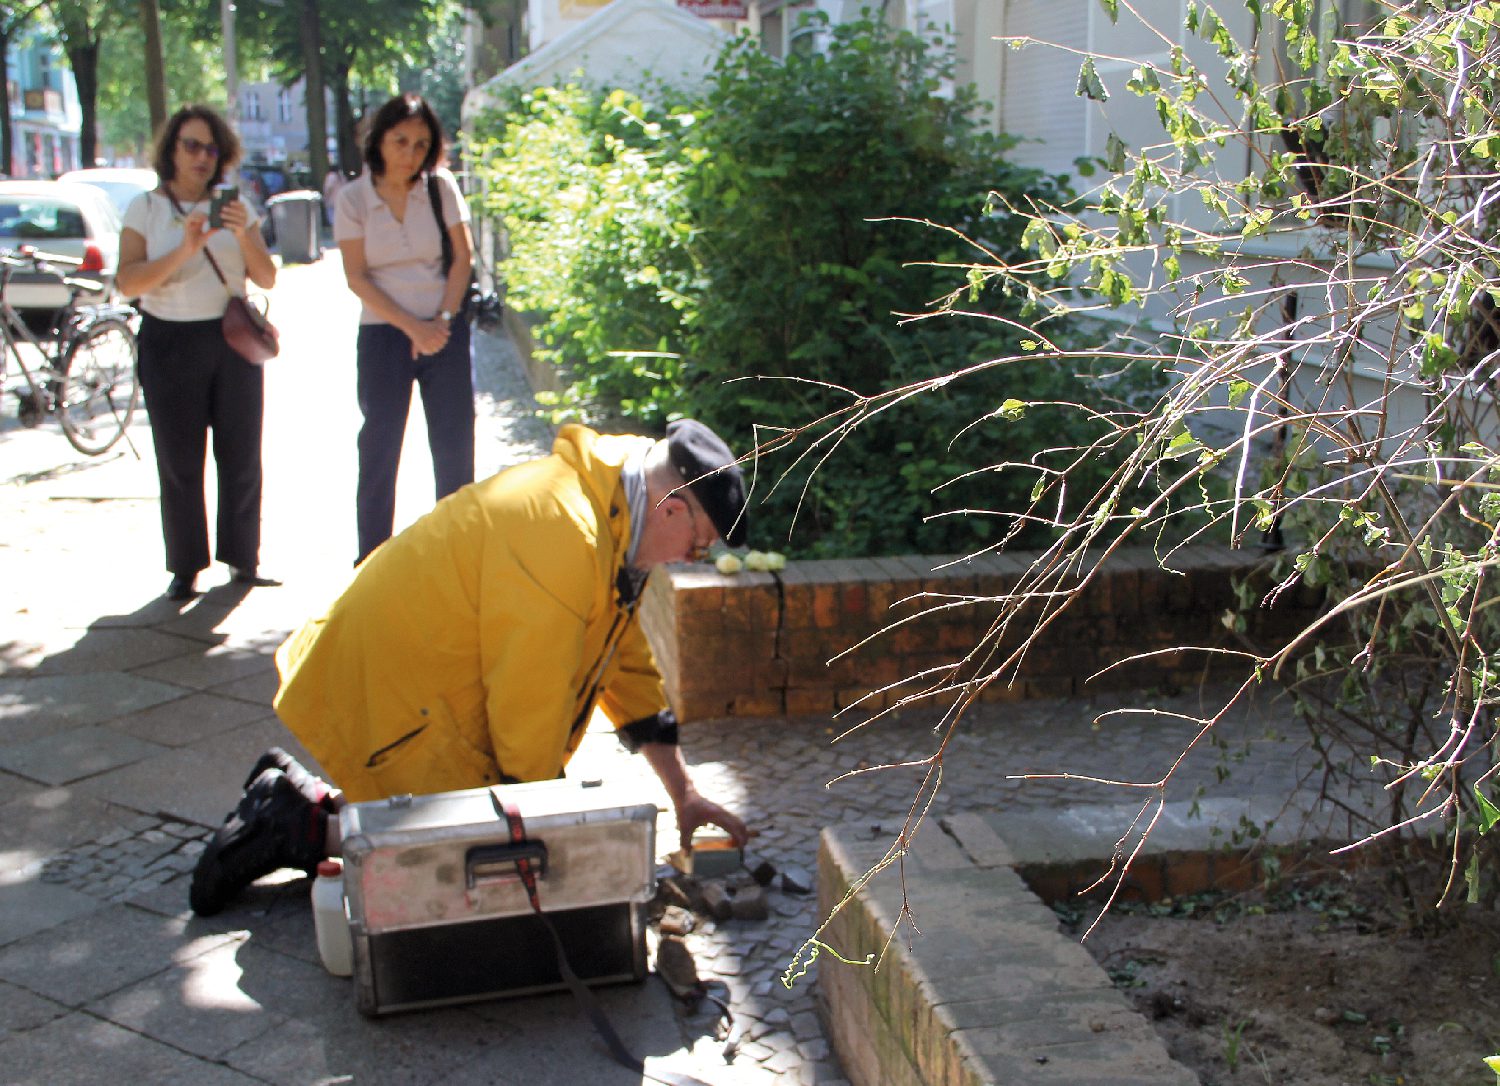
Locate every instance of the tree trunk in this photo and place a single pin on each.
(83, 57)
(344, 123)
(156, 80)
(6, 165)
(317, 115)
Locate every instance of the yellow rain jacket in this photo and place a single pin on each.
(469, 649)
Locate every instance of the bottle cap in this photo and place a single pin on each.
(330, 869)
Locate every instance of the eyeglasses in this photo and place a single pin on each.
(197, 147)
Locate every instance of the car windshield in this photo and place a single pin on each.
(28, 218)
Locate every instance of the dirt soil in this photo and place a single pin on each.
(1322, 985)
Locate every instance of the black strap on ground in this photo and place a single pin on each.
(585, 998)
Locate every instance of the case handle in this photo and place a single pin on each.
(482, 861)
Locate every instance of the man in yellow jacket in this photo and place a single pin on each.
(472, 648)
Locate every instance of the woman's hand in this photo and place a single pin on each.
(236, 218)
(194, 236)
(428, 337)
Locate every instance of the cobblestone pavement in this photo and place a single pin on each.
(126, 724)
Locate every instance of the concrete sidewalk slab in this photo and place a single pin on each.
(40, 823)
(101, 952)
(74, 651)
(186, 720)
(81, 1050)
(72, 755)
(29, 905)
(198, 783)
(52, 701)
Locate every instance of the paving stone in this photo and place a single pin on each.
(805, 1026)
(258, 688)
(74, 755)
(752, 1050)
(79, 1050)
(21, 1010)
(100, 648)
(214, 667)
(13, 787)
(81, 699)
(814, 1051)
(186, 720)
(782, 1061)
(43, 823)
(28, 906)
(204, 1006)
(197, 784)
(99, 952)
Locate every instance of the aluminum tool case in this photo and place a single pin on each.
(437, 910)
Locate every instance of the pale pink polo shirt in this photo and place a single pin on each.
(405, 259)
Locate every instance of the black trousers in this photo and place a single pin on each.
(387, 372)
(195, 384)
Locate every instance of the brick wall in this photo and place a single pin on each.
(822, 635)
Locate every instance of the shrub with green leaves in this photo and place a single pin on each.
(590, 188)
(751, 258)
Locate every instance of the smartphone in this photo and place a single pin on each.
(223, 194)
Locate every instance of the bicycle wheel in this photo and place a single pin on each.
(99, 391)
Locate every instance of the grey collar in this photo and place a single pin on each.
(633, 475)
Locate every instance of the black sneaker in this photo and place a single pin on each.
(313, 788)
(274, 826)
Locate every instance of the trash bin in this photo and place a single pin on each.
(296, 218)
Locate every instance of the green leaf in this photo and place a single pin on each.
(1489, 814)
(1112, 9)
(1089, 83)
(1013, 409)
(1238, 390)
(1114, 154)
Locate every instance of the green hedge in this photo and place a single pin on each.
(744, 256)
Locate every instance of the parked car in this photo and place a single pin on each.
(120, 183)
(70, 220)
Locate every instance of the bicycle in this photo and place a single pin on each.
(87, 375)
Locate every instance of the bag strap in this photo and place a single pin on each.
(212, 262)
(437, 213)
(585, 998)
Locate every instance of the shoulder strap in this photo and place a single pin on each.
(586, 1000)
(212, 262)
(437, 213)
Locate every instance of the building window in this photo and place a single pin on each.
(771, 34)
(284, 104)
(250, 106)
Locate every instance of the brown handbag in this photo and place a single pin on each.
(247, 330)
(249, 333)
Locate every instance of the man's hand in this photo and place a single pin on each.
(695, 811)
(692, 809)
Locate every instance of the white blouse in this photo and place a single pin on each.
(193, 292)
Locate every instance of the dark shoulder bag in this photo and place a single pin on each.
(248, 331)
(466, 307)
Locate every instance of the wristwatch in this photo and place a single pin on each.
(446, 315)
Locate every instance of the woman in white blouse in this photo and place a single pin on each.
(193, 380)
(390, 225)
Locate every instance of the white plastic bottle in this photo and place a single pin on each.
(332, 920)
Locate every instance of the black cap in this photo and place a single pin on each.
(707, 466)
